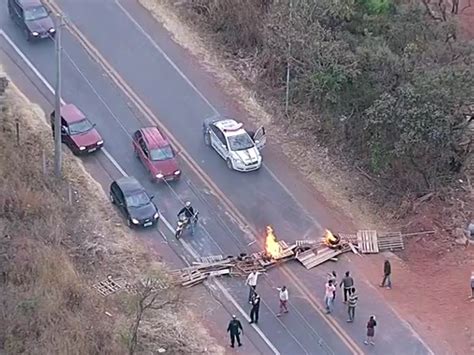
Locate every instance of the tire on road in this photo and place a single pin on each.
(207, 139)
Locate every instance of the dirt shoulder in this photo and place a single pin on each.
(432, 274)
(58, 239)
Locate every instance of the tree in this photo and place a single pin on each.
(151, 294)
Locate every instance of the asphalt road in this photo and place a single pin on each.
(258, 196)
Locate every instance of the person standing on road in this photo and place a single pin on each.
(333, 278)
(371, 324)
(234, 329)
(283, 295)
(472, 284)
(329, 296)
(255, 309)
(347, 283)
(353, 298)
(387, 272)
(252, 283)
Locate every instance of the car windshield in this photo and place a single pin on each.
(80, 127)
(138, 200)
(35, 13)
(163, 153)
(240, 142)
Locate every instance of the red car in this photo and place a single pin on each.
(156, 153)
(77, 132)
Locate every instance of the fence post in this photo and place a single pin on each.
(69, 193)
(43, 160)
(17, 125)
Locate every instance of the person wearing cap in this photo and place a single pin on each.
(234, 329)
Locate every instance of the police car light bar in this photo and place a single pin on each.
(234, 128)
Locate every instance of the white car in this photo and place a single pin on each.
(239, 148)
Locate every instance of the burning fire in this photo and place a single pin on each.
(272, 247)
(329, 238)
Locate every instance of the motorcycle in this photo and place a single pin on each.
(185, 222)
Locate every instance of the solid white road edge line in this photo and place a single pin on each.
(188, 247)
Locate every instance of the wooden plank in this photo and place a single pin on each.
(322, 256)
(211, 258)
(354, 250)
(219, 272)
(305, 255)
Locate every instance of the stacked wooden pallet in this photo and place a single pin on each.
(200, 271)
(367, 241)
(107, 287)
(312, 257)
(390, 241)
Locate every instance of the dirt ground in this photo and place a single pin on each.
(431, 277)
(466, 18)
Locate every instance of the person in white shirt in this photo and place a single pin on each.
(252, 284)
(329, 296)
(283, 294)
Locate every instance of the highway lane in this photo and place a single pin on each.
(175, 102)
(117, 142)
(208, 303)
(280, 209)
(275, 200)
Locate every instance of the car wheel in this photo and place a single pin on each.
(207, 139)
(112, 199)
(129, 223)
(27, 35)
(229, 164)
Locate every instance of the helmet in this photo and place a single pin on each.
(188, 204)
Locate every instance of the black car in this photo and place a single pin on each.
(32, 17)
(133, 201)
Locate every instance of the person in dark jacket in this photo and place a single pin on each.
(234, 329)
(371, 324)
(387, 272)
(348, 283)
(255, 309)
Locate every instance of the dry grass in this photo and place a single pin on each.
(52, 249)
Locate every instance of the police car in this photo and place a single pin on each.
(238, 147)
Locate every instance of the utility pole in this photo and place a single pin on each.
(57, 104)
(287, 95)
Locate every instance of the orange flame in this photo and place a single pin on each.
(329, 237)
(272, 246)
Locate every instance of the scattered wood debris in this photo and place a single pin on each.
(310, 253)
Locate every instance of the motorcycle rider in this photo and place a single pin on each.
(189, 213)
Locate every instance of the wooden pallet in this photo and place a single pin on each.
(390, 241)
(311, 258)
(107, 287)
(307, 243)
(247, 266)
(211, 258)
(350, 238)
(367, 241)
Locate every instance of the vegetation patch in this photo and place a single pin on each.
(58, 238)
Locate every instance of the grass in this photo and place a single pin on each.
(53, 248)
